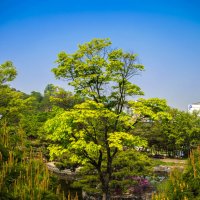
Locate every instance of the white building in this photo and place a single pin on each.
(194, 107)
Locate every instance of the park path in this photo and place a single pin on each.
(176, 161)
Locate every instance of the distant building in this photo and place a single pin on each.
(127, 110)
(194, 107)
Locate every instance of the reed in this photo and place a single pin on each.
(183, 186)
(27, 177)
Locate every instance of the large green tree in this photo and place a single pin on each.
(97, 130)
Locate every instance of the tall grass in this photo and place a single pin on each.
(24, 177)
(182, 185)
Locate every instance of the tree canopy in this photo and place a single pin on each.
(7, 72)
(98, 72)
(97, 130)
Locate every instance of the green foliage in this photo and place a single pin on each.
(127, 165)
(172, 135)
(153, 108)
(192, 174)
(7, 72)
(175, 188)
(14, 105)
(91, 128)
(23, 175)
(81, 131)
(64, 99)
(28, 179)
(183, 186)
(95, 66)
(4, 152)
(57, 96)
(97, 131)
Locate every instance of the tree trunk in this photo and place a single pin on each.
(105, 185)
(104, 196)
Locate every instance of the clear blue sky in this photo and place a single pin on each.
(164, 33)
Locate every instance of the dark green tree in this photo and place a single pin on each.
(175, 136)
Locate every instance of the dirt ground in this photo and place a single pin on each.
(178, 161)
